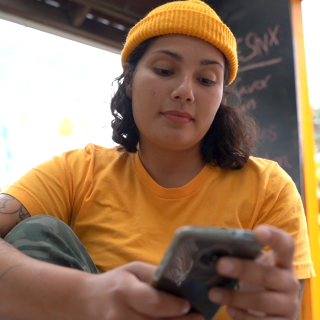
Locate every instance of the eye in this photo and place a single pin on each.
(163, 72)
(207, 82)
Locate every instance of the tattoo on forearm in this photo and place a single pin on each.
(9, 205)
(8, 270)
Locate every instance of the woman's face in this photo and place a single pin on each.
(176, 91)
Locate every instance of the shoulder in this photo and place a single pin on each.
(261, 165)
(91, 150)
(267, 169)
(90, 153)
(278, 186)
(267, 176)
(257, 170)
(93, 162)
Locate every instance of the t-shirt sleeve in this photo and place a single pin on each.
(283, 209)
(51, 187)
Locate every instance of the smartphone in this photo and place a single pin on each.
(188, 268)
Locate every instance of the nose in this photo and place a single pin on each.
(183, 90)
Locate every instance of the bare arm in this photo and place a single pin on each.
(11, 213)
(25, 281)
(41, 290)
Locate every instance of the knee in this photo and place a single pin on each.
(36, 227)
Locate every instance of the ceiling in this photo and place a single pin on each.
(104, 22)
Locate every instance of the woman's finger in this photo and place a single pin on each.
(143, 271)
(269, 277)
(271, 303)
(237, 314)
(281, 243)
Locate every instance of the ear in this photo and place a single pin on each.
(127, 80)
(129, 91)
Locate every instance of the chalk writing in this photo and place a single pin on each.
(258, 45)
(266, 77)
(260, 64)
(248, 105)
(256, 85)
(269, 134)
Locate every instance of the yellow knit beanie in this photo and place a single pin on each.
(191, 17)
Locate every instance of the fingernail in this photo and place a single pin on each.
(256, 313)
(215, 296)
(186, 307)
(226, 266)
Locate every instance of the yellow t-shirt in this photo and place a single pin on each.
(121, 214)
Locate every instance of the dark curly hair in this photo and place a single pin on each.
(229, 141)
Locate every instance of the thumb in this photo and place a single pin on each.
(142, 270)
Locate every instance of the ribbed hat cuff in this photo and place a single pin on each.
(187, 22)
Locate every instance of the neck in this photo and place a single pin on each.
(171, 169)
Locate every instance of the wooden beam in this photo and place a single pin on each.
(98, 14)
(67, 35)
(57, 18)
(78, 14)
(112, 10)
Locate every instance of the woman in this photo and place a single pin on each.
(184, 159)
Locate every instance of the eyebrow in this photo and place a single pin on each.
(179, 58)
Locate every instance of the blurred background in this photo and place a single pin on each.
(55, 92)
(54, 97)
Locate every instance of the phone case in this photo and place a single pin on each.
(188, 267)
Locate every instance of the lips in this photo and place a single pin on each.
(178, 116)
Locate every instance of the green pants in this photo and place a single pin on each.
(49, 239)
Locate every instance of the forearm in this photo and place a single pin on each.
(31, 289)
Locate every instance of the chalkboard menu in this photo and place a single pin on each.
(266, 78)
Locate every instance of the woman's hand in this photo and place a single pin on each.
(268, 286)
(125, 293)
